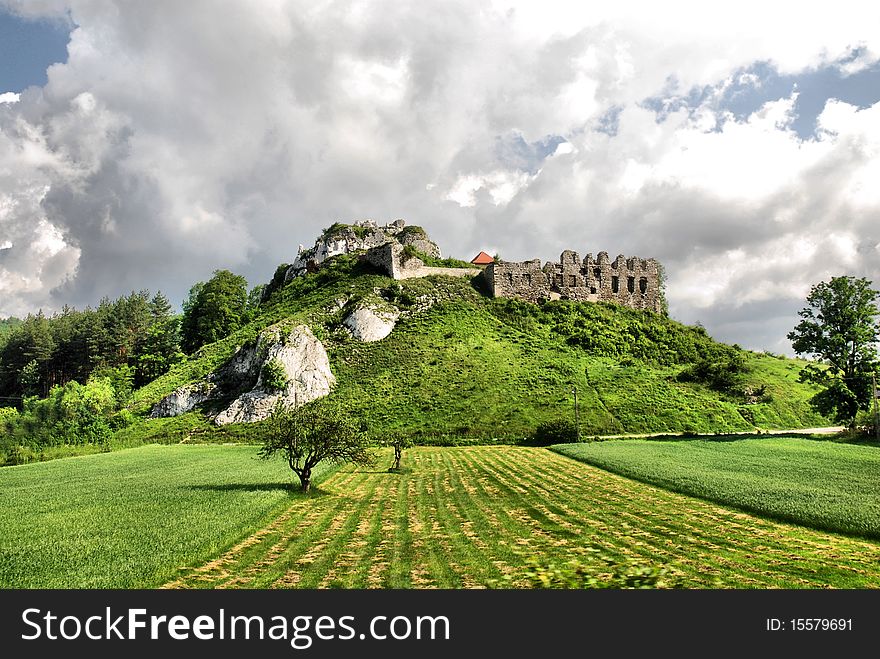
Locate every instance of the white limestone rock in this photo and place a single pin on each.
(307, 368)
(182, 400)
(370, 323)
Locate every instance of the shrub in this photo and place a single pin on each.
(274, 375)
(276, 283)
(722, 370)
(122, 419)
(20, 455)
(559, 431)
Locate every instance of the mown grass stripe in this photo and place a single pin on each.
(466, 517)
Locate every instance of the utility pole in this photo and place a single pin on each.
(577, 419)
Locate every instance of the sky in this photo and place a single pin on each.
(144, 145)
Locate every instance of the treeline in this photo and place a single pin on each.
(72, 373)
(7, 325)
(134, 339)
(137, 336)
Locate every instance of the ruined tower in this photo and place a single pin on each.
(632, 282)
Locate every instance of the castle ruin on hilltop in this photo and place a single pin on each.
(631, 282)
(395, 249)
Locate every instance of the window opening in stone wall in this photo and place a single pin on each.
(510, 278)
(643, 285)
(593, 290)
(572, 280)
(528, 279)
(631, 284)
(615, 284)
(558, 280)
(597, 273)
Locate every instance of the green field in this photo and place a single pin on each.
(815, 483)
(214, 516)
(128, 519)
(466, 517)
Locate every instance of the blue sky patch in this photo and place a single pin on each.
(610, 121)
(515, 152)
(759, 83)
(27, 49)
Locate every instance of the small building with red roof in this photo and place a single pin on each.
(482, 259)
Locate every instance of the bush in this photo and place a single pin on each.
(724, 370)
(73, 414)
(20, 455)
(276, 283)
(122, 419)
(274, 375)
(560, 431)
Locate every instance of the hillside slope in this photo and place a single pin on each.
(461, 364)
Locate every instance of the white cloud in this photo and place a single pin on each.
(9, 97)
(502, 187)
(175, 142)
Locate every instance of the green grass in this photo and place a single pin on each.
(480, 516)
(821, 484)
(129, 519)
(214, 516)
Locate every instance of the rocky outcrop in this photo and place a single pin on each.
(370, 323)
(299, 352)
(307, 370)
(419, 241)
(359, 236)
(183, 399)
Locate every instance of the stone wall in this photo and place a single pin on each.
(525, 281)
(632, 282)
(390, 259)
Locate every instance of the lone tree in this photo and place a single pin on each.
(399, 442)
(306, 436)
(838, 328)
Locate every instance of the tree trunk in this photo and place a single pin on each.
(305, 478)
(397, 454)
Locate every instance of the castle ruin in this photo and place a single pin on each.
(631, 282)
(394, 248)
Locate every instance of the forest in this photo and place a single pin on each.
(65, 378)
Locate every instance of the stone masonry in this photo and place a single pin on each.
(391, 258)
(631, 282)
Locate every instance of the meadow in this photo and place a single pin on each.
(217, 517)
(817, 483)
(128, 519)
(484, 516)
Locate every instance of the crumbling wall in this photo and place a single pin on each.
(391, 259)
(632, 282)
(360, 235)
(525, 281)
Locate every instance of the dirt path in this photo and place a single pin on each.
(828, 430)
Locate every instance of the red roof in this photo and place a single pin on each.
(482, 259)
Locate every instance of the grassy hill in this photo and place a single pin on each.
(460, 364)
